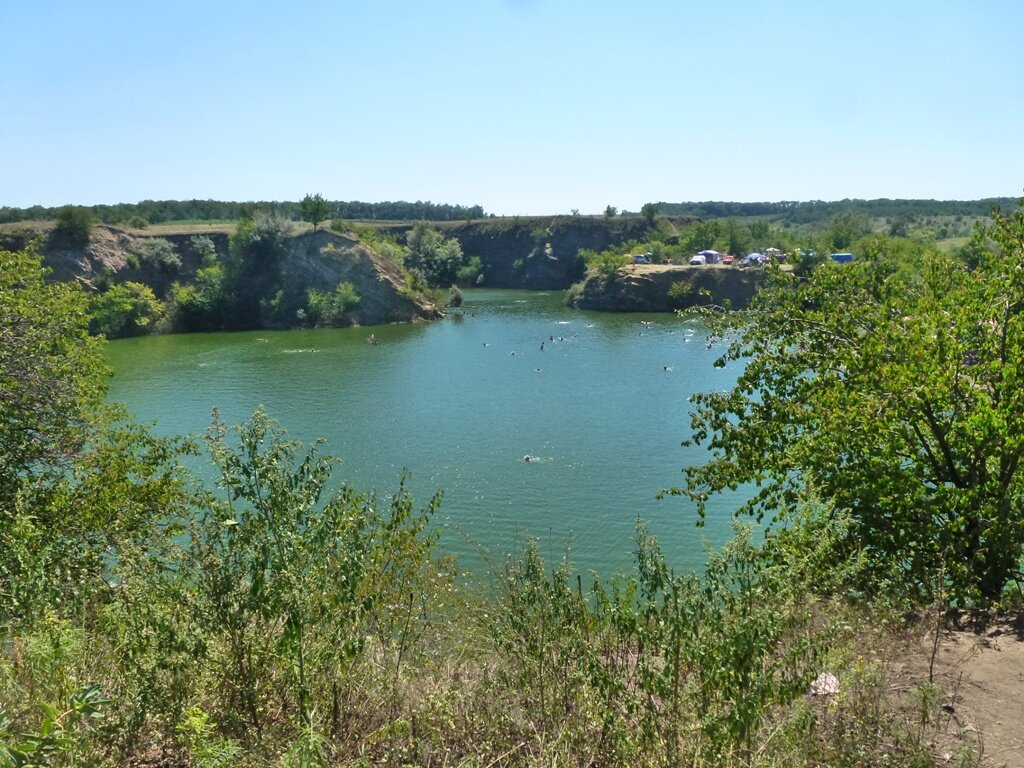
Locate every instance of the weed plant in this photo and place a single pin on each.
(278, 619)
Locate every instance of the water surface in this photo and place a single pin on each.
(602, 409)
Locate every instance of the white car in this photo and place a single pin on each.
(698, 260)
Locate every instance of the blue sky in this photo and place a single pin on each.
(521, 106)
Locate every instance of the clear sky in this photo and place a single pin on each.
(521, 106)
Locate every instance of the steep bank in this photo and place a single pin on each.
(657, 288)
(541, 253)
(317, 260)
(323, 259)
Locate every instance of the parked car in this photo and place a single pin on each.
(728, 258)
(642, 258)
(698, 260)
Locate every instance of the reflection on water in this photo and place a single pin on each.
(599, 399)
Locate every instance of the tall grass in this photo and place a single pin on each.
(284, 620)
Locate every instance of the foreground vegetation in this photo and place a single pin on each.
(283, 617)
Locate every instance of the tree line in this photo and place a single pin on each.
(819, 211)
(160, 211)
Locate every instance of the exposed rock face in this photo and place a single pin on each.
(539, 253)
(323, 259)
(643, 288)
(318, 260)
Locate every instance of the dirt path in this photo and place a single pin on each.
(982, 678)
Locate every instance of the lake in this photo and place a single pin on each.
(601, 409)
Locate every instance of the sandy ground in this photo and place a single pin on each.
(981, 675)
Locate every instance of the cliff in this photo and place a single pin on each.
(657, 288)
(540, 252)
(318, 260)
(323, 259)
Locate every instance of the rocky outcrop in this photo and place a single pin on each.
(323, 259)
(650, 288)
(318, 260)
(540, 253)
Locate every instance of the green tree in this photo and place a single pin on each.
(75, 477)
(895, 390)
(52, 375)
(200, 306)
(649, 211)
(606, 263)
(610, 211)
(252, 270)
(331, 308)
(736, 237)
(471, 272)
(759, 230)
(433, 255)
(701, 235)
(74, 223)
(125, 309)
(847, 228)
(314, 209)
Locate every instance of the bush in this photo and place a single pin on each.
(605, 263)
(471, 273)
(331, 309)
(200, 306)
(157, 252)
(624, 674)
(74, 224)
(437, 257)
(126, 309)
(573, 294)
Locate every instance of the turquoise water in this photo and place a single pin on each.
(459, 403)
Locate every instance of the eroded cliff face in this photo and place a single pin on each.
(318, 260)
(655, 288)
(323, 259)
(113, 254)
(538, 252)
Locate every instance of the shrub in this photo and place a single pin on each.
(126, 309)
(158, 252)
(74, 223)
(470, 273)
(331, 309)
(605, 263)
(454, 296)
